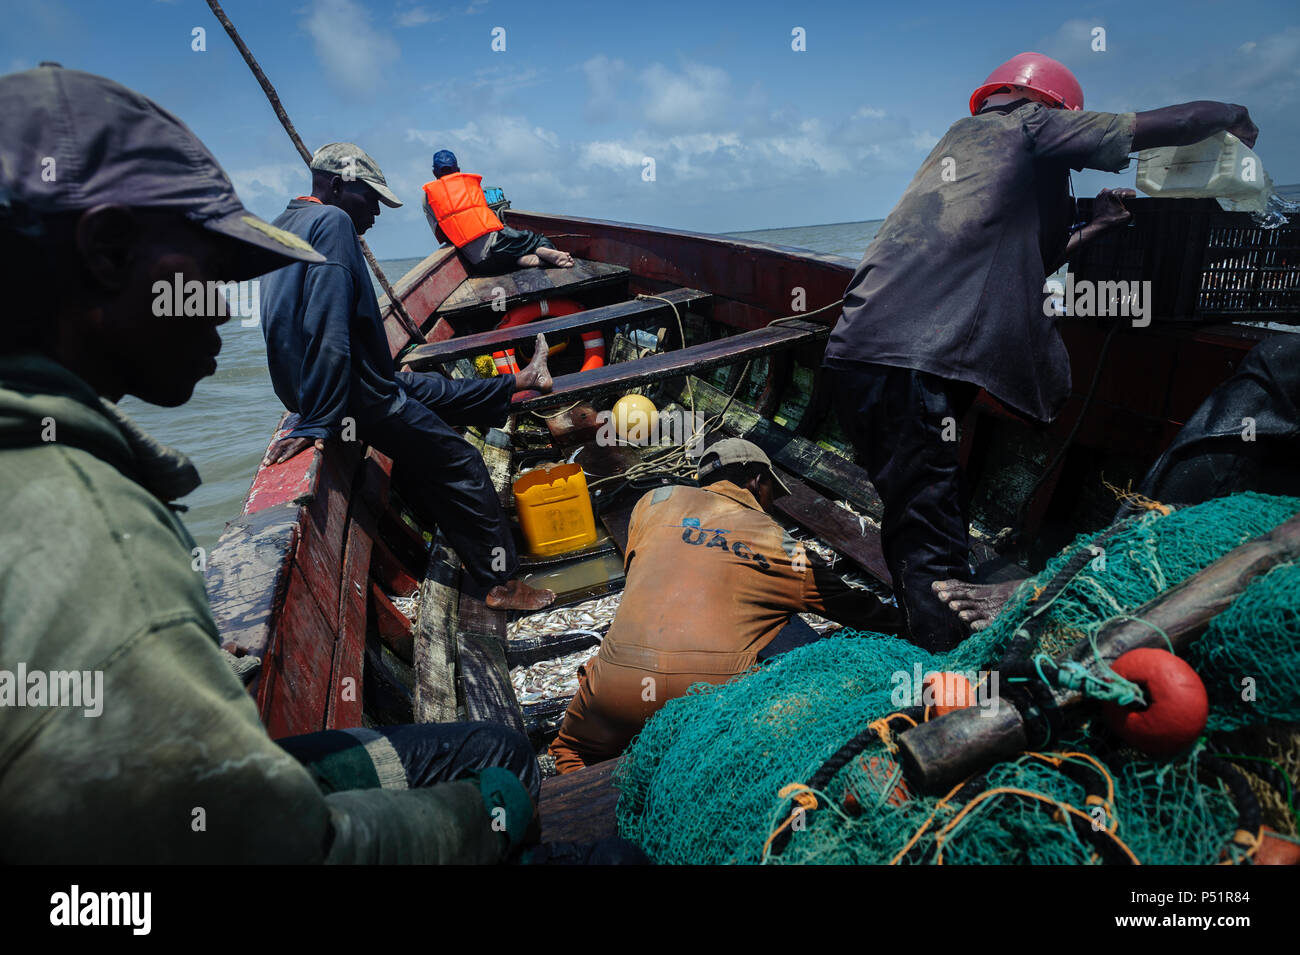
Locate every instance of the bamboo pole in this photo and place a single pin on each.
(394, 302)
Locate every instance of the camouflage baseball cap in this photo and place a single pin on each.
(736, 451)
(71, 140)
(352, 162)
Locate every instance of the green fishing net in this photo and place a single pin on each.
(703, 781)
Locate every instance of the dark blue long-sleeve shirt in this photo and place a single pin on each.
(325, 343)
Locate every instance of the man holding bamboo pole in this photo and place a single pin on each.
(330, 362)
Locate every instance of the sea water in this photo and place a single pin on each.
(225, 427)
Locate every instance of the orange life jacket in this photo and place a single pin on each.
(462, 211)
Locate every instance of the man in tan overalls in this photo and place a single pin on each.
(712, 580)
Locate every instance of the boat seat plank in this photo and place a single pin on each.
(485, 681)
(857, 541)
(681, 361)
(579, 807)
(525, 284)
(434, 644)
(425, 357)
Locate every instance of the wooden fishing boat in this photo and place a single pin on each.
(315, 575)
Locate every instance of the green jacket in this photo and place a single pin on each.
(96, 577)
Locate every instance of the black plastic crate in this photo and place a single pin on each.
(1204, 264)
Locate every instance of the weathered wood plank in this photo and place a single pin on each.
(485, 681)
(247, 575)
(370, 496)
(389, 686)
(303, 647)
(393, 626)
(525, 284)
(820, 467)
(857, 541)
(434, 639)
(425, 357)
(579, 807)
(421, 291)
(653, 368)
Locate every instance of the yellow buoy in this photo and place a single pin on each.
(636, 419)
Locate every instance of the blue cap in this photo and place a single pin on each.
(444, 159)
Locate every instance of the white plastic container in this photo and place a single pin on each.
(1221, 167)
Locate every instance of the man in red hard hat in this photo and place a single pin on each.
(949, 299)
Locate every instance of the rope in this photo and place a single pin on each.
(1073, 675)
(565, 410)
(1078, 814)
(1133, 500)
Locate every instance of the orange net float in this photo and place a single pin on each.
(878, 769)
(1177, 706)
(944, 692)
(1274, 850)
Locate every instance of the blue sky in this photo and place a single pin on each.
(745, 132)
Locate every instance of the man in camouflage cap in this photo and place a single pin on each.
(330, 360)
(104, 196)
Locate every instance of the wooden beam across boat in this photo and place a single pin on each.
(425, 357)
(579, 807)
(853, 537)
(434, 639)
(682, 361)
(523, 285)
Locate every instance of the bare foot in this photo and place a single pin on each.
(528, 261)
(555, 257)
(536, 376)
(976, 604)
(517, 595)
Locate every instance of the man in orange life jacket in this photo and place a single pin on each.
(458, 213)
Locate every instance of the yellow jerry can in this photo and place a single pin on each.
(554, 510)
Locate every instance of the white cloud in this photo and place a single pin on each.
(694, 96)
(1072, 41)
(353, 54)
(271, 181)
(496, 145)
(488, 89)
(610, 154)
(869, 112)
(418, 16)
(604, 78)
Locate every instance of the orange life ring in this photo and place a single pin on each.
(593, 342)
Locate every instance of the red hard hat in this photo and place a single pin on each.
(1036, 72)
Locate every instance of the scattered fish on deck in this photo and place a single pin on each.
(595, 614)
(550, 679)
